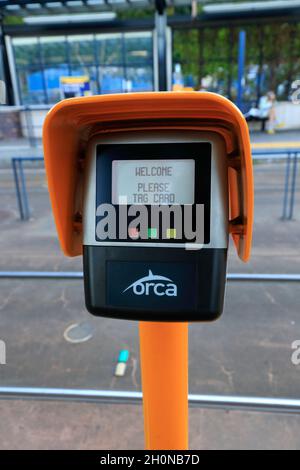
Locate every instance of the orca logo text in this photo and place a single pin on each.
(153, 284)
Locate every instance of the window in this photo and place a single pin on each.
(114, 63)
(109, 49)
(81, 50)
(138, 48)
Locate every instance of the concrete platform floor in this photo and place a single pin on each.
(74, 426)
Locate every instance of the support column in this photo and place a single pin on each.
(164, 367)
(6, 71)
(161, 41)
(241, 68)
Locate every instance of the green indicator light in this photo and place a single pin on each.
(152, 232)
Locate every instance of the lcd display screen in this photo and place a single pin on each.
(153, 182)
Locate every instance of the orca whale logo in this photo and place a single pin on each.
(153, 284)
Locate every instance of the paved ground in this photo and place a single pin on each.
(280, 139)
(247, 352)
(278, 136)
(39, 425)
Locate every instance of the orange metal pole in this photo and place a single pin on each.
(164, 363)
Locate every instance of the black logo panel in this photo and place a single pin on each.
(157, 286)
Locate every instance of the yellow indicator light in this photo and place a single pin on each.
(171, 233)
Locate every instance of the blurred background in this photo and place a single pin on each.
(248, 51)
(242, 50)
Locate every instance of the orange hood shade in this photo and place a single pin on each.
(71, 123)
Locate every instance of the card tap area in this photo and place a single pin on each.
(154, 184)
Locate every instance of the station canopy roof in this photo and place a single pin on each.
(46, 7)
(40, 8)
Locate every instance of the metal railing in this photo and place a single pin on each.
(289, 191)
(290, 186)
(246, 403)
(247, 277)
(20, 184)
(27, 125)
(225, 402)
